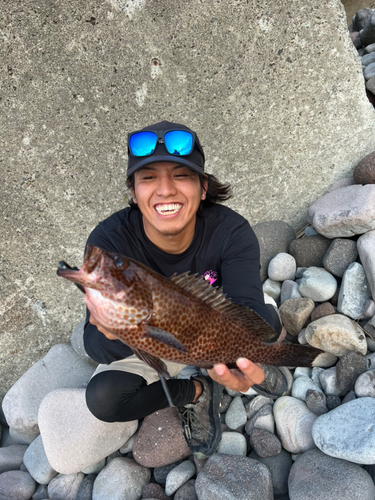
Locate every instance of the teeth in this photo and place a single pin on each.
(172, 208)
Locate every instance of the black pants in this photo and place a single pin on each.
(117, 396)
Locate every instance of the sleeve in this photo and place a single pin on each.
(97, 346)
(240, 271)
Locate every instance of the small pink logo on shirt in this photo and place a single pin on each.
(210, 276)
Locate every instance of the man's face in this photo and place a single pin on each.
(168, 196)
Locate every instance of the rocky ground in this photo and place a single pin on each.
(316, 442)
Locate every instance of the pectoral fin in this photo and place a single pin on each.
(165, 337)
(155, 363)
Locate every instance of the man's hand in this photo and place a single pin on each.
(109, 336)
(242, 379)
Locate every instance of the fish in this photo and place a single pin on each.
(182, 319)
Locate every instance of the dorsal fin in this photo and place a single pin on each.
(215, 298)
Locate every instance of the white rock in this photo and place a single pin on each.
(366, 245)
(301, 337)
(354, 292)
(178, 476)
(337, 335)
(365, 385)
(317, 284)
(325, 360)
(61, 367)
(73, 438)
(344, 212)
(347, 432)
(37, 464)
(294, 422)
(233, 443)
(121, 479)
(282, 267)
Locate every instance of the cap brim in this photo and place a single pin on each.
(169, 158)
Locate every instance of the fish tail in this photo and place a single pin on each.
(292, 355)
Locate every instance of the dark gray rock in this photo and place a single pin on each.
(264, 443)
(339, 255)
(321, 477)
(316, 402)
(324, 309)
(86, 487)
(349, 397)
(279, 466)
(309, 252)
(333, 402)
(370, 84)
(234, 478)
(361, 18)
(11, 457)
(367, 35)
(155, 491)
(348, 369)
(225, 403)
(40, 493)
(274, 237)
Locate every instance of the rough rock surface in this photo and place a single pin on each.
(309, 252)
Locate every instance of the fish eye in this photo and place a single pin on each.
(119, 262)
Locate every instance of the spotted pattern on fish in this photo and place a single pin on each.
(182, 319)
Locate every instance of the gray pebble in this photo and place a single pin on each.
(86, 488)
(161, 473)
(316, 402)
(236, 414)
(365, 385)
(11, 457)
(348, 369)
(317, 284)
(186, 491)
(41, 493)
(282, 267)
(233, 443)
(37, 462)
(265, 443)
(333, 402)
(340, 254)
(178, 476)
(279, 466)
(302, 385)
(16, 485)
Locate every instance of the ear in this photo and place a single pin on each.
(204, 189)
(133, 195)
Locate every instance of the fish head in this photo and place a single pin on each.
(115, 294)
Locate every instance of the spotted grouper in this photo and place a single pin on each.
(181, 319)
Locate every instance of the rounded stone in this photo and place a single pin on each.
(265, 443)
(365, 385)
(347, 432)
(320, 477)
(279, 466)
(316, 402)
(282, 267)
(186, 491)
(317, 284)
(234, 478)
(336, 334)
(233, 443)
(354, 292)
(178, 476)
(294, 422)
(349, 368)
(294, 314)
(16, 485)
(309, 252)
(339, 255)
(123, 478)
(65, 486)
(302, 385)
(364, 172)
(11, 457)
(289, 290)
(328, 380)
(236, 416)
(272, 288)
(324, 309)
(37, 463)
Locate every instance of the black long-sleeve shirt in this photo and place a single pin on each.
(223, 243)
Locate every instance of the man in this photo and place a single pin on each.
(174, 224)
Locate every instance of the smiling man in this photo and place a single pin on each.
(176, 224)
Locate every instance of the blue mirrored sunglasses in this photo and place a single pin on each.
(176, 142)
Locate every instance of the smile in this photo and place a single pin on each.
(170, 209)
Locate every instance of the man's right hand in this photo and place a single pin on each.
(109, 335)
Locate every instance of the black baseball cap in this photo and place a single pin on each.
(195, 160)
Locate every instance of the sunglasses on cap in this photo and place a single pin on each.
(176, 142)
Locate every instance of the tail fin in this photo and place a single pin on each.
(279, 354)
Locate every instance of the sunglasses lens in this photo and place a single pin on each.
(178, 142)
(143, 143)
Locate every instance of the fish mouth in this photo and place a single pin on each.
(166, 209)
(91, 261)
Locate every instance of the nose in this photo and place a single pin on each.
(166, 186)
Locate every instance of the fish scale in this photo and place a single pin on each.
(181, 319)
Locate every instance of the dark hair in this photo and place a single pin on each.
(216, 191)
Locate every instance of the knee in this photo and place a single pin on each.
(101, 398)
